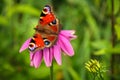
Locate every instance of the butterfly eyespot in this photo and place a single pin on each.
(47, 42)
(54, 21)
(46, 10)
(32, 47)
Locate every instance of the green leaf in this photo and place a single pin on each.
(100, 52)
(100, 44)
(101, 47)
(109, 50)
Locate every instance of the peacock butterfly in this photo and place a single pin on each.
(46, 31)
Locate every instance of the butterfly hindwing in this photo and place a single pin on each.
(36, 42)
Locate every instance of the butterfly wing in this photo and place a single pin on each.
(46, 16)
(46, 31)
(36, 42)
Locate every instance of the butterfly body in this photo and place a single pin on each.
(46, 32)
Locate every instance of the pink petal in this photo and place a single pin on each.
(37, 58)
(67, 31)
(57, 54)
(46, 56)
(65, 45)
(25, 45)
(69, 34)
(31, 63)
(51, 54)
(31, 55)
(31, 59)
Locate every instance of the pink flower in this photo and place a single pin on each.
(62, 44)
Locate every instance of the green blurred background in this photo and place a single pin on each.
(90, 18)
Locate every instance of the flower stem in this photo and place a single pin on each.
(51, 72)
(113, 57)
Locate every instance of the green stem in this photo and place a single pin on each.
(113, 39)
(51, 72)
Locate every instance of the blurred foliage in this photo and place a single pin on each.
(90, 18)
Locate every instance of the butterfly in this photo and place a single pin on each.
(46, 31)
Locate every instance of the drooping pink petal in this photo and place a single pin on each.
(31, 59)
(37, 58)
(57, 54)
(46, 56)
(65, 45)
(69, 34)
(25, 45)
(51, 54)
(31, 55)
(31, 63)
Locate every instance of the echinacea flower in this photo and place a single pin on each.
(62, 44)
(96, 68)
(93, 65)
